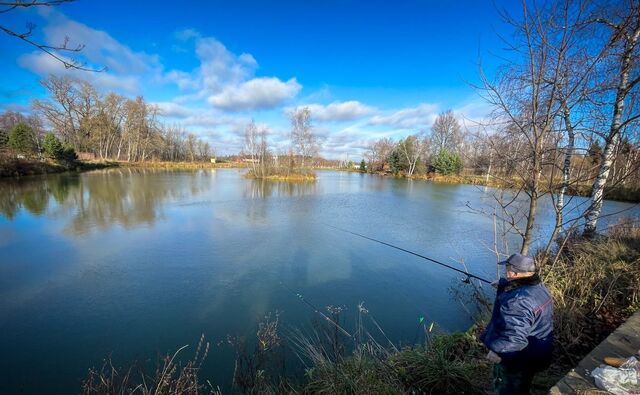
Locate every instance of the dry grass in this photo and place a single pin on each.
(596, 286)
(595, 280)
(182, 165)
(309, 177)
(169, 377)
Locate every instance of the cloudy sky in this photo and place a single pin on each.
(365, 69)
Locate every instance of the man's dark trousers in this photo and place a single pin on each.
(510, 381)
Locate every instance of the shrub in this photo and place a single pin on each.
(363, 166)
(68, 153)
(395, 162)
(447, 162)
(4, 138)
(52, 147)
(21, 139)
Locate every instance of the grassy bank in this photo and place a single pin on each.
(182, 165)
(619, 193)
(11, 166)
(595, 285)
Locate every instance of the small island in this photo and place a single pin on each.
(293, 165)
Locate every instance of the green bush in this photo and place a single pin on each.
(21, 139)
(52, 147)
(4, 138)
(396, 163)
(447, 162)
(363, 166)
(68, 153)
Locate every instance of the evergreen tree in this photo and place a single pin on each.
(447, 162)
(363, 166)
(395, 162)
(4, 138)
(21, 139)
(52, 146)
(595, 152)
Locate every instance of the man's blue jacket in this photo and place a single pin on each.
(521, 326)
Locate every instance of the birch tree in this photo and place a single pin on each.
(621, 88)
(304, 142)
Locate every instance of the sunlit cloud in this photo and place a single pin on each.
(419, 117)
(340, 111)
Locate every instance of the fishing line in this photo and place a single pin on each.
(467, 274)
(299, 296)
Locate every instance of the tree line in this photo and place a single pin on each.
(441, 150)
(106, 126)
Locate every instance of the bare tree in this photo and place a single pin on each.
(304, 142)
(446, 133)
(58, 52)
(378, 152)
(525, 107)
(252, 145)
(112, 126)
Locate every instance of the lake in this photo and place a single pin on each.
(132, 263)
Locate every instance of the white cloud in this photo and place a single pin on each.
(198, 117)
(340, 111)
(421, 116)
(255, 94)
(186, 34)
(99, 47)
(44, 65)
(125, 67)
(219, 67)
(228, 80)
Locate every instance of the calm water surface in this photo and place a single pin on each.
(134, 263)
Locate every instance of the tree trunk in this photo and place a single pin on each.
(566, 176)
(597, 192)
(531, 217)
(624, 86)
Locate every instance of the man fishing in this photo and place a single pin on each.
(520, 334)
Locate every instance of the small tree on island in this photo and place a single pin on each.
(447, 162)
(303, 140)
(21, 139)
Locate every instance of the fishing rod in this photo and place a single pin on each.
(299, 296)
(467, 274)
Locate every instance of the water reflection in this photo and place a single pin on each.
(32, 194)
(100, 199)
(261, 189)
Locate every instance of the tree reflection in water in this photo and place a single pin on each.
(100, 199)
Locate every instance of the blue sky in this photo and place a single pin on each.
(366, 69)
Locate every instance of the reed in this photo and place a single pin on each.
(169, 377)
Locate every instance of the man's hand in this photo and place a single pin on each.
(493, 357)
(495, 284)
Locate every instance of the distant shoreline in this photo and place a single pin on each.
(16, 168)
